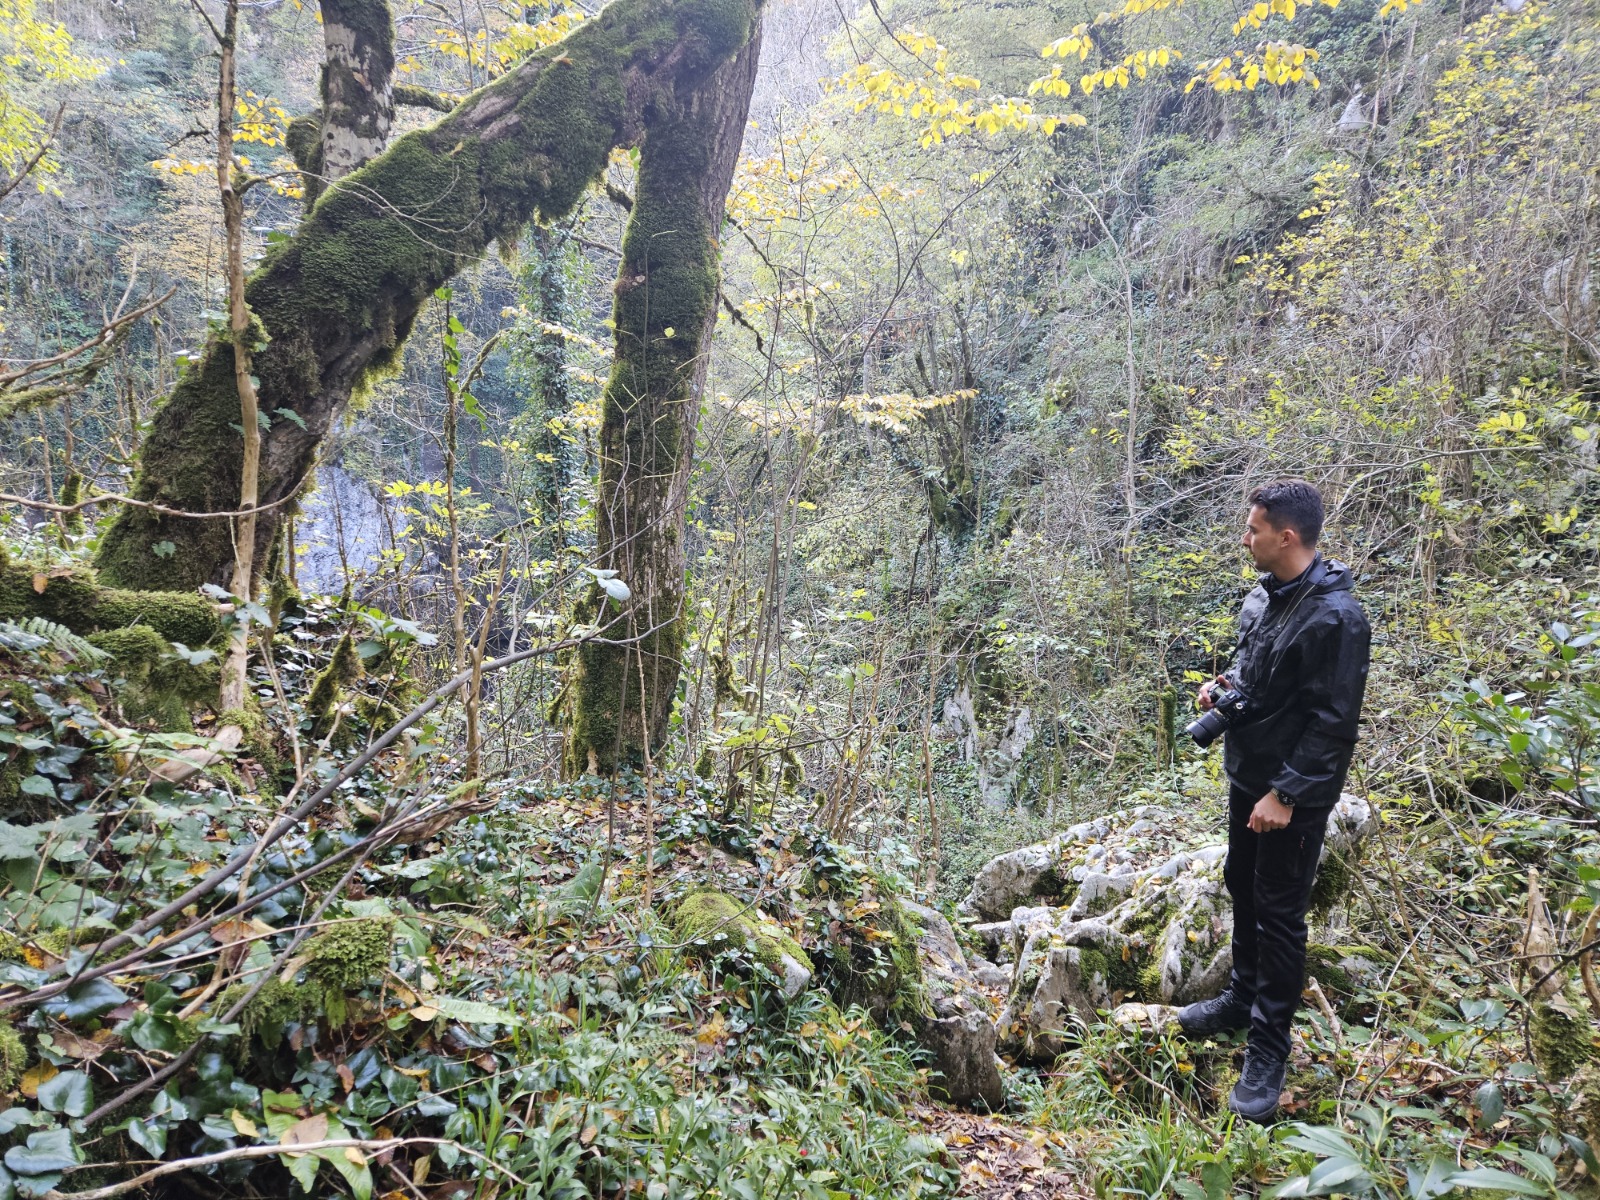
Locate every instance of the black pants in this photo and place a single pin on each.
(1269, 876)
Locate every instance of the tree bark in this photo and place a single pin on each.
(357, 84)
(664, 314)
(339, 298)
(241, 340)
(358, 95)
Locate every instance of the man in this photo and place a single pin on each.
(1302, 659)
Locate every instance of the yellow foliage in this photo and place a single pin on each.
(33, 50)
(495, 50)
(932, 98)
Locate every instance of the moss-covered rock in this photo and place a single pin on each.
(156, 684)
(873, 961)
(708, 922)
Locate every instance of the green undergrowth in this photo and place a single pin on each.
(500, 985)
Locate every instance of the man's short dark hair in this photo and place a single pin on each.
(1292, 504)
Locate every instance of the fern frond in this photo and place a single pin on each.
(37, 633)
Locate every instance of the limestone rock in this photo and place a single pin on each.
(958, 1029)
(1153, 1018)
(1145, 919)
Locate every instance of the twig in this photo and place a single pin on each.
(15, 182)
(366, 1145)
(1317, 994)
(117, 498)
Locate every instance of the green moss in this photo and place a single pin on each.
(707, 919)
(345, 957)
(259, 740)
(877, 964)
(71, 493)
(156, 684)
(1562, 1039)
(351, 953)
(273, 1007)
(1093, 964)
(13, 1056)
(343, 669)
(1335, 877)
(1148, 986)
(76, 599)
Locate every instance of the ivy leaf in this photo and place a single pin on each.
(38, 785)
(148, 1135)
(92, 999)
(69, 1092)
(18, 841)
(51, 1153)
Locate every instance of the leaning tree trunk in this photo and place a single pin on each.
(665, 311)
(339, 298)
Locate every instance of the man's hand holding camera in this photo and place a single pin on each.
(1270, 812)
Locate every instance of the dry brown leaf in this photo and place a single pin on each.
(308, 1129)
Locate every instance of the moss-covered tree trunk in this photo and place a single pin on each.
(339, 298)
(665, 311)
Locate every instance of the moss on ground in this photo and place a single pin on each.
(13, 1056)
(345, 957)
(274, 1006)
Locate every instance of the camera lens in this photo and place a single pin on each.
(1207, 728)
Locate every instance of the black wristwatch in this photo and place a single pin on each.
(1284, 798)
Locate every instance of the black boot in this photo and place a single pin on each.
(1221, 1014)
(1255, 1096)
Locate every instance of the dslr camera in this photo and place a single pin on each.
(1229, 707)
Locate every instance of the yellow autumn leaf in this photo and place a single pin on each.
(31, 1079)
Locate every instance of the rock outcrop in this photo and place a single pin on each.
(1134, 915)
(958, 1029)
(710, 922)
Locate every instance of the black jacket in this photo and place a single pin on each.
(1302, 660)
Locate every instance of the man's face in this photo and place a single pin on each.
(1266, 542)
